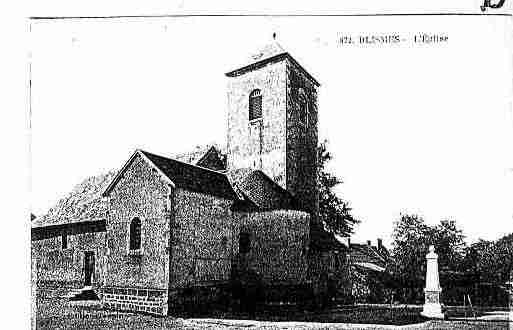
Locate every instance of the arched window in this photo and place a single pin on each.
(255, 105)
(135, 234)
(244, 243)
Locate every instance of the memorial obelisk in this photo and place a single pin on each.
(511, 300)
(432, 307)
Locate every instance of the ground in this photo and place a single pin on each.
(55, 312)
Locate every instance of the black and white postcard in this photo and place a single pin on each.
(337, 167)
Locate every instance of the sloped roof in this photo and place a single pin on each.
(192, 157)
(236, 177)
(74, 228)
(208, 156)
(272, 52)
(267, 52)
(368, 256)
(213, 159)
(260, 191)
(83, 203)
(185, 176)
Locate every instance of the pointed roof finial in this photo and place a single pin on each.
(274, 35)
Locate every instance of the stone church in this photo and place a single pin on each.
(162, 231)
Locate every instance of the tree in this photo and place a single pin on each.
(473, 256)
(409, 246)
(490, 264)
(411, 240)
(449, 243)
(503, 256)
(495, 260)
(333, 211)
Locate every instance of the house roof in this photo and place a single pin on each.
(208, 156)
(368, 257)
(83, 203)
(192, 156)
(44, 232)
(213, 159)
(260, 192)
(183, 175)
(272, 52)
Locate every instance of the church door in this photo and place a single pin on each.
(88, 267)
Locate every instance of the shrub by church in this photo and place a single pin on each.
(166, 229)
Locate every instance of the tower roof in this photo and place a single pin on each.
(272, 52)
(268, 51)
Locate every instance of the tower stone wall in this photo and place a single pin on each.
(302, 139)
(258, 144)
(283, 143)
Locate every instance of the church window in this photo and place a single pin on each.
(135, 234)
(255, 105)
(64, 241)
(244, 243)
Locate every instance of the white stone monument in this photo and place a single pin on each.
(432, 307)
(510, 318)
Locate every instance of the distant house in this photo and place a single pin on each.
(369, 257)
(164, 230)
(367, 262)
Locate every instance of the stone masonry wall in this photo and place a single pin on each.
(243, 136)
(278, 245)
(66, 267)
(142, 193)
(202, 247)
(302, 140)
(151, 301)
(202, 243)
(289, 149)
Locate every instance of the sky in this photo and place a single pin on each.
(413, 128)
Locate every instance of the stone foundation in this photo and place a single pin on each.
(153, 301)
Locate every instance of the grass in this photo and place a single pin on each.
(347, 314)
(57, 313)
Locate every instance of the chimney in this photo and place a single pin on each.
(380, 243)
(369, 243)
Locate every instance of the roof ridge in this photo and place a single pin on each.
(376, 253)
(211, 149)
(220, 176)
(181, 162)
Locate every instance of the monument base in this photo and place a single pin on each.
(432, 311)
(432, 308)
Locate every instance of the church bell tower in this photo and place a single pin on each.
(272, 122)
